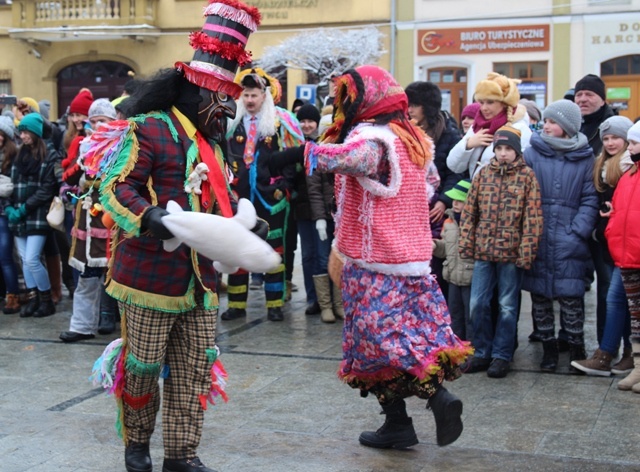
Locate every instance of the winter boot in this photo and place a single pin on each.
(54, 269)
(47, 307)
(397, 431)
(599, 364)
(625, 364)
(12, 304)
(576, 353)
(549, 356)
(338, 307)
(447, 411)
(108, 312)
(634, 377)
(323, 292)
(31, 305)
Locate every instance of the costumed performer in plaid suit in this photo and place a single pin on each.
(397, 339)
(168, 300)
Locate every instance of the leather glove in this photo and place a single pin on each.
(321, 227)
(15, 215)
(261, 229)
(152, 220)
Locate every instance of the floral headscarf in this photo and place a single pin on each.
(375, 92)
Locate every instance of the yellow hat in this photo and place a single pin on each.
(500, 88)
(243, 78)
(32, 104)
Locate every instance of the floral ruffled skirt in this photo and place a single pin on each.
(397, 339)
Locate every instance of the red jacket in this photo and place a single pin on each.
(623, 229)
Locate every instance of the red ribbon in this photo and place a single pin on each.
(215, 181)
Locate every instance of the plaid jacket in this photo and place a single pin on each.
(151, 169)
(502, 218)
(36, 192)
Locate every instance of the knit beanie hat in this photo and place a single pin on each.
(592, 83)
(6, 126)
(459, 191)
(102, 107)
(470, 111)
(32, 122)
(45, 107)
(498, 87)
(81, 103)
(634, 133)
(566, 114)
(509, 136)
(308, 112)
(33, 105)
(532, 110)
(616, 126)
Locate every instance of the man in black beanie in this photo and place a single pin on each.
(590, 96)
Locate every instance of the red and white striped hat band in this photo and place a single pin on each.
(213, 69)
(234, 11)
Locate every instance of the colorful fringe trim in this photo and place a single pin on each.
(218, 384)
(423, 372)
(105, 370)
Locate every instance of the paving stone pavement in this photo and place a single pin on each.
(288, 411)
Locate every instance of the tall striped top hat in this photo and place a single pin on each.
(220, 46)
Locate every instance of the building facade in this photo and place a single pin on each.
(52, 49)
(548, 44)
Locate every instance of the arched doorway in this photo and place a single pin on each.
(621, 75)
(105, 79)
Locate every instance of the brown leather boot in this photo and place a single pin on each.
(12, 305)
(599, 364)
(54, 269)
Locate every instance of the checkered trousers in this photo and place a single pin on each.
(154, 338)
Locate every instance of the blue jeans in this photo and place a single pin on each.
(9, 270)
(309, 245)
(603, 279)
(618, 323)
(324, 248)
(35, 273)
(498, 343)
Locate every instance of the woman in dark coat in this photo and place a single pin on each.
(35, 185)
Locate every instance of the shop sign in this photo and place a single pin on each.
(619, 33)
(523, 38)
(532, 88)
(619, 93)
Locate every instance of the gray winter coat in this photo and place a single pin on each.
(570, 210)
(455, 269)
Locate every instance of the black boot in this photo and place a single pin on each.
(447, 410)
(32, 304)
(397, 431)
(550, 356)
(137, 457)
(576, 353)
(47, 307)
(108, 311)
(185, 465)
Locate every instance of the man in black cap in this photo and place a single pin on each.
(590, 96)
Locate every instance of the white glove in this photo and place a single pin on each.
(321, 227)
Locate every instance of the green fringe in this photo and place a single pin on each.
(211, 301)
(212, 355)
(154, 301)
(119, 423)
(280, 206)
(276, 233)
(141, 369)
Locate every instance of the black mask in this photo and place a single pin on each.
(213, 111)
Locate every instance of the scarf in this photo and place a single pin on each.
(493, 125)
(565, 144)
(26, 163)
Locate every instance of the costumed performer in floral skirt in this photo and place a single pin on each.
(397, 337)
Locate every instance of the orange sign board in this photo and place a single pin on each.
(521, 38)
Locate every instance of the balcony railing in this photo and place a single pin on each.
(69, 13)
